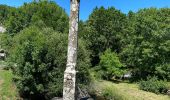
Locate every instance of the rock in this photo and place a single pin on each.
(57, 98)
(82, 94)
(90, 99)
(2, 54)
(86, 98)
(2, 29)
(168, 92)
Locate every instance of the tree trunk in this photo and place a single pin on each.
(69, 87)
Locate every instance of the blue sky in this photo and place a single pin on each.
(87, 6)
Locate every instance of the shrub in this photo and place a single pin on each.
(5, 41)
(40, 56)
(109, 65)
(152, 84)
(163, 71)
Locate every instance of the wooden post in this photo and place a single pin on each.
(69, 88)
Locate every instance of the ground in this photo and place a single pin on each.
(8, 90)
(120, 91)
(127, 91)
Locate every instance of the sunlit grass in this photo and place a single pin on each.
(2, 64)
(8, 90)
(125, 91)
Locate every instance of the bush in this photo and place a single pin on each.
(41, 57)
(152, 84)
(109, 65)
(5, 41)
(163, 71)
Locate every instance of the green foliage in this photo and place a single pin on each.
(141, 40)
(163, 71)
(4, 12)
(26, 50)
(5, 41)
(41, 59)
(47, 12)
(37, 53)
(147, 45)
(152, 84)
(109, 65)
(104, 30)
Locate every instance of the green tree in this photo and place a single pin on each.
(110, 65)
(105, 28)
(46, 11)
(40, 55)
(147, 50)
(4, 12)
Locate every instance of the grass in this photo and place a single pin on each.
(8, 90)
(103, 89)
(124, 91)
(2, 64)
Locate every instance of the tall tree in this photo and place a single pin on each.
(147, 46)
(105, 28)
(48, 13)
(70, 73)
